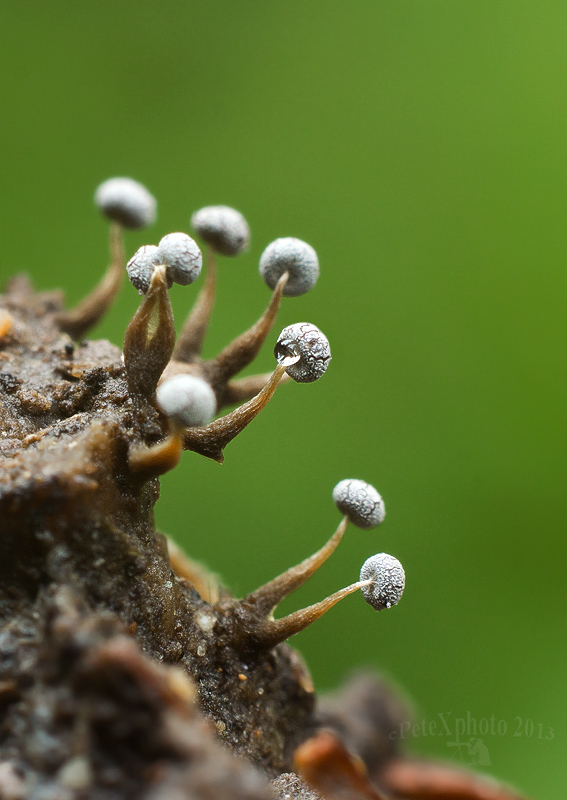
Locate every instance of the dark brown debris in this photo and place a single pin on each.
(337, 774)
(192, 335)
(92, 716)
(366, 714)
(425, 780)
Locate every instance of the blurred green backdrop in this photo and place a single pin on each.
(420, 148)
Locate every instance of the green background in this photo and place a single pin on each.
(420, 147)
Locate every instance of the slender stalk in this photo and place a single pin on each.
(211, 440)
(268, 596)
(274, 631)
(244, 349)
(77, 321)
(190, 340)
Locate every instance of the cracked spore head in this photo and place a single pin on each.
(311, 345)
(126, 201)
(182, 257)
(223, 228)
(297, 258)
(187, 399)
(388, 581)
(141, 267)
(360, 502)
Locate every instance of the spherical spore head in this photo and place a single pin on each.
(293, 256)
(187, 399)
(388, 581)
(182, 257)
(360, 502)
(311, 345)
(223, 228)
(141, 267)
(126, 201)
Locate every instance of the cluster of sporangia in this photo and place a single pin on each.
(190, 391)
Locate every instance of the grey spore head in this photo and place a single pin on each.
(126, 201)
(294, 256)
(223, 228)
(141, 266)
(182, 257)
(388, 581)
(360, 502)
(187, 399)
(311, 345)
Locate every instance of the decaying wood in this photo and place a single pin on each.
(124, 674)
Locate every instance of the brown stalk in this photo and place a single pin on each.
(244, 349)
(150, 337)
(211, 439)
(243, 389)
(271, 632)
(423, 780)
(77, 321)
(325, 763)
(149, 462)
(268, 596)
(192, 335)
